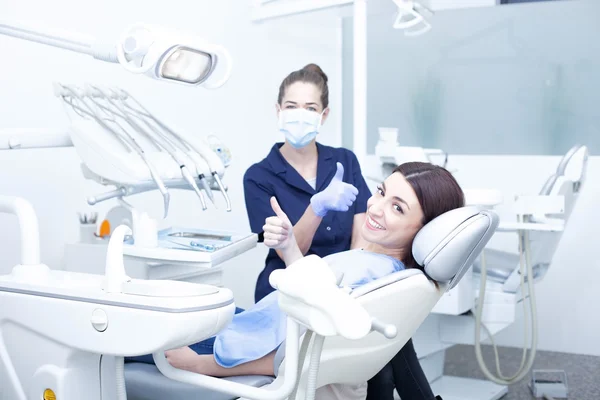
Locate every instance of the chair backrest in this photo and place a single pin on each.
(567, 181)
(446, 250)
(573, 166)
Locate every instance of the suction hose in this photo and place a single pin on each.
(120, 376)
(301, 357)
(526, 364)
(313, 367)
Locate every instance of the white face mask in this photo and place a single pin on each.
(299, 126)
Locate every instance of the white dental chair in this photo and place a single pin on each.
(446, 248)
(543, 218)
(566, 182)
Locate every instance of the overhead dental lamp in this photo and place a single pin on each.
(144, 49)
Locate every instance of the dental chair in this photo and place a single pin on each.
(446, 248)
(545, 228)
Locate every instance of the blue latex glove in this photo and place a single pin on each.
(338, 196)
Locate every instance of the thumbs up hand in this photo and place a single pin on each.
(278, 230)
(337, 196)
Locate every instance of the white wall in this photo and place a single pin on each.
(242, 113)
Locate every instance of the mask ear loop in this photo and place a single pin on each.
(279, 117)
(321, 119)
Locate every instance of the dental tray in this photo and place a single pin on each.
(192, 246)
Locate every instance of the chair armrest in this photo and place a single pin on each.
(530, 205)
(528, 226)
(308, 293)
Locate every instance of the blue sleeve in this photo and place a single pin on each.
(364, 193)
(258, 204)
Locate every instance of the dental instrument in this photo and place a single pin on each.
(171, 147)
(88, 218)
(196, 149)
(205, 247)
(87, 227)
(214, 164)
(123, 136)
(151, 50)
(158, 139)
(201, 164)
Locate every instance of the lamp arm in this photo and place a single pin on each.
(59, 38)
(141, 49)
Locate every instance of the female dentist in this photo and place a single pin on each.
(322, 191)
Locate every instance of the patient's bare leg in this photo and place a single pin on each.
(205, 364)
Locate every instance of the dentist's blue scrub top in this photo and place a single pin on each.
(274, 176)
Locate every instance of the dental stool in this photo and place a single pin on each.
(445, 247)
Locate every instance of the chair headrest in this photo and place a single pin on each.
(447, 246)
(573, 164)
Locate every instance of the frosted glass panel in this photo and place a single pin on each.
(512, 79)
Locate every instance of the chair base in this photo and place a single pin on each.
(146, 382)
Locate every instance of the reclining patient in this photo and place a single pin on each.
(414, 194)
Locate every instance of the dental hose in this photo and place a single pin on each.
(301, 357)
(313, 367)
(120, 376)
(526, 364)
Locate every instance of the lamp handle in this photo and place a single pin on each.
(122, 58)
(223, 56)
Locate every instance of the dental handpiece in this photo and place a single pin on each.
(173, 152)
(222, 189)
(184, 142)
(159, 141)
(169, 147)
(214, 164)
(131, 142)
(194, 158)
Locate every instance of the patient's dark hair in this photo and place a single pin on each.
(437, 191)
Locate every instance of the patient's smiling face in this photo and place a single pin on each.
(394, 216)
